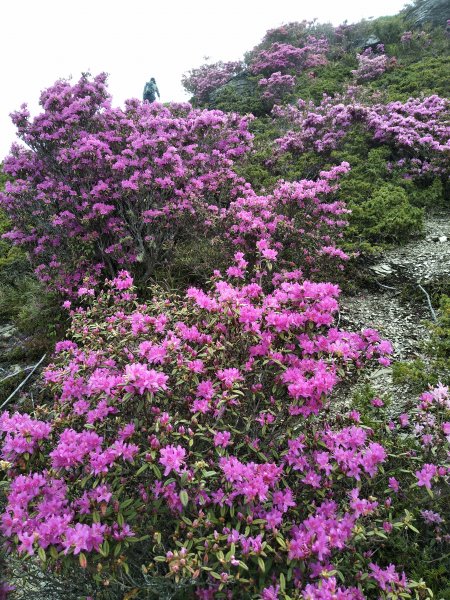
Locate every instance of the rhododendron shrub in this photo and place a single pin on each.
(308, 127)
(191, 434)
(370, 65)
(415, 39)
(277, 86)
(417, 131)
(98, 187)
(287, 58)
(200, 82)
(295, 33)
(416, 480)
(299, 224)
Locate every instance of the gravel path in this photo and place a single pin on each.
(399, 318)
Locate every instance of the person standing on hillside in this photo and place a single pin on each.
(151, 90)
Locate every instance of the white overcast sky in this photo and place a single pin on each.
(132, 40)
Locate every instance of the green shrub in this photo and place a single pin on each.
(438, 348)
(389, 29)
(381, 209)
(330, 79)
(240, 95)
(23, 300)
(435, 367)
(387, 216)
(425, 195)
(425, 77)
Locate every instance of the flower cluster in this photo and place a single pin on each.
(167, 418)
(371, 65)
(310, 127)
(272, 224)
(22, 434)
(415, 38)
(285, 57)
(417, 130)
(100, 187)
(200, 82)
(39, 509)
(277, 86)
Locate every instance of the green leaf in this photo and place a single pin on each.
(141, 469)
(184, 497)
(209, 473)
(261, 564)
(42, 555)
(215, 575)
(157, 537)
(156, 471)
(104, 548)
(341, 576)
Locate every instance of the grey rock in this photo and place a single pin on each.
(240, 83)
(426, 259)
(372, 41)
(7, 331)
(382, 269)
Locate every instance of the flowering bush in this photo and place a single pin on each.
(192, 431)
(416, 39)
(285, 57)
(399, 147)
(310, 127)
(273, 224)
(407, 36)
(131, 200)
(200, 82)
(277, 86)
(418, 124)
(294, 33)
(371, 65)
(100, 187)
(416, 481)
(417, 130)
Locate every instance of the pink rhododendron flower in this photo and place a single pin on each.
(172, 458)
(425, 475)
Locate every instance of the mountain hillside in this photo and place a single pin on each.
(225, 327)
